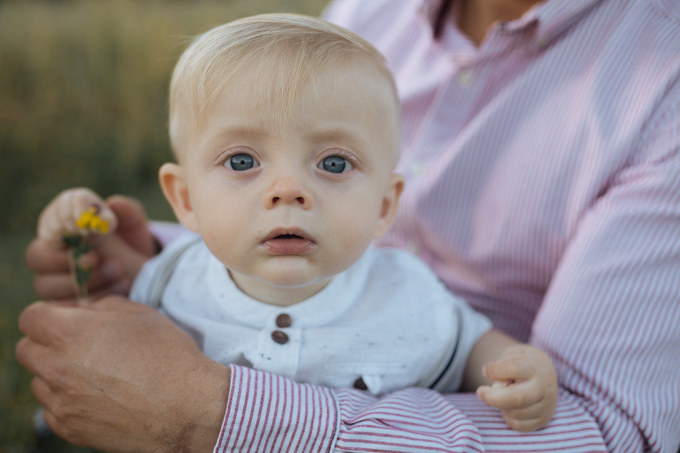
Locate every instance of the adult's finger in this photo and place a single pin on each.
(133, 225)
(41, 257)
(107, 278)
(40, 320)
(121, 304)
(54, 286)
(42, 392)
(58, 428)
(31, 354)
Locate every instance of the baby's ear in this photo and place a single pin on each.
(395, 186)
(174, 185)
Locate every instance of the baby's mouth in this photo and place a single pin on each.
(288, 236)
(288, 242)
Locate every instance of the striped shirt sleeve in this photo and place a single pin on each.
(267, 413)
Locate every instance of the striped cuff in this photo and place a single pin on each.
(268, 413)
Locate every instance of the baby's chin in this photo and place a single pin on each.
(291, 280)
(282, 285)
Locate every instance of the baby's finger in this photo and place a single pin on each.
(515, 396)
(534, 411)
(512, 368)
(51, 224)
(83, 199)
(525, 426)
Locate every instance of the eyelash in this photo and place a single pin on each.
(224, 158)
(342, 153)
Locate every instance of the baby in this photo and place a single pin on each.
(286, 133)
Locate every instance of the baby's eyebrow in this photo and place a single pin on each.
(339, 134)
(242, 131)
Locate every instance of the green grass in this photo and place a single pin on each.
(83, 103)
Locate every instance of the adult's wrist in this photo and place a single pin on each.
(206, 406)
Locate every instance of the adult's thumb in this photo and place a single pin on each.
(133, 225)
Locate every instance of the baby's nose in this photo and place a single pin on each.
(288, 191)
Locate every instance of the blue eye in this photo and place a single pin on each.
(335, 164)
(242, 162)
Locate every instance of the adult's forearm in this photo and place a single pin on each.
(119, 376)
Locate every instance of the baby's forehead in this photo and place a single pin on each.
(280, 61)
(278, 97)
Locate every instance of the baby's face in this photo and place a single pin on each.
(289, 206)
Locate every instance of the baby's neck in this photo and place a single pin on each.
(281, 296)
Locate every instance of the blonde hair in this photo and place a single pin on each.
(288, 48)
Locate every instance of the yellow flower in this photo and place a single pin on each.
(89, 220)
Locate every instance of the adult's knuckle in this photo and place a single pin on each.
(59, 410)
(21, 351)
(57, 379)
(59, 334)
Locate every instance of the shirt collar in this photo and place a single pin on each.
(551, 17)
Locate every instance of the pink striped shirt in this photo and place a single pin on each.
(543, 185)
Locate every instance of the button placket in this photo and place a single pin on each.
(279, 337)
(465, 77)
(278, 351)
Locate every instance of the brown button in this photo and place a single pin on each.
(283, 320)
(360, 384)
(279, 337)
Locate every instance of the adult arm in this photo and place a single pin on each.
(121, 377)
(609, 321)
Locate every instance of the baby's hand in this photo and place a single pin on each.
(524, 388)
(115, 257)
(60, 217)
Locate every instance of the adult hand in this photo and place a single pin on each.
(121, 377)
(115, 259)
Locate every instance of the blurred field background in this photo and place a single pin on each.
(83, 103)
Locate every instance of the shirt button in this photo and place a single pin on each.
(279, 337)
(465, 78)
(283, 320)
(360, 384)
(416, 169)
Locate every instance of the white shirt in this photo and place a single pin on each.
(387, 320)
